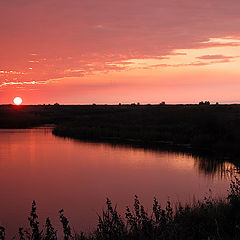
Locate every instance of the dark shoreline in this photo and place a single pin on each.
(209, 129)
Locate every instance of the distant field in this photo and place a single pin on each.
(215, 128)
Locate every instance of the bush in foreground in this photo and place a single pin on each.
(210, 219)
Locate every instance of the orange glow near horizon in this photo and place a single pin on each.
(146, 51)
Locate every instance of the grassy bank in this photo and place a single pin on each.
(210, 219)
(213, 128)
(204, 128)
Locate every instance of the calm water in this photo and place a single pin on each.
(78, 176)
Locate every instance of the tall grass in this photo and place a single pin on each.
(210, 219)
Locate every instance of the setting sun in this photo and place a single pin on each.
(17, 100)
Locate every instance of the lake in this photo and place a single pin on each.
(78, 176)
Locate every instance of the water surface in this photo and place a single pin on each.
(78, 176)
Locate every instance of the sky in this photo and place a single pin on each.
(110, 52)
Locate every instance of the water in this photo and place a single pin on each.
(78, 176)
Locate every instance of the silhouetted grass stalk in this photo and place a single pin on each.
(210, 219)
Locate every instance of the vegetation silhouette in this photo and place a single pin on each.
(208, 219)
(213, 128)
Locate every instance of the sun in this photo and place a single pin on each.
(17, 100)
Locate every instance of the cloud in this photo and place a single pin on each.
(63, 36)
(24, 83)
(17, 83)
(197, 63)
(218, 56)
(10, 72)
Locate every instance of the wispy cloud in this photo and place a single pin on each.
(218, 56)
(10, 72)
(26, 83)
(197, 63)
(18, 83)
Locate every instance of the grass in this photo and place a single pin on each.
(197, 128)
(210, 219)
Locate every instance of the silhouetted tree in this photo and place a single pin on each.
(204, 103)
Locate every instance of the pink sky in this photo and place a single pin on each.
(91, 51)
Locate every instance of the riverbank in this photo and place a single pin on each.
(211, 128)
(210, 219)
(214, 129)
